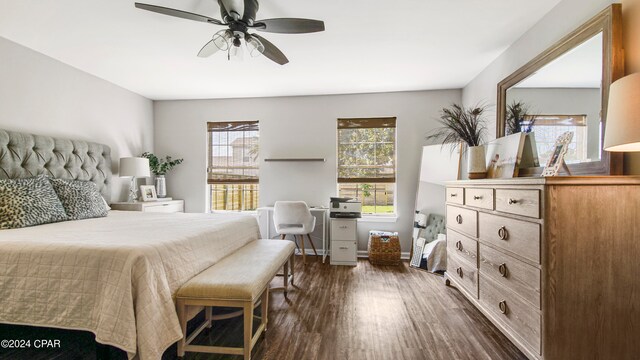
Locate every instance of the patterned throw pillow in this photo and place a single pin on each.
(29, 202)
(81, 199)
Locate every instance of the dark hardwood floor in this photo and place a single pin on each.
(334, 312)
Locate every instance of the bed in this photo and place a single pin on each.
(114, 276)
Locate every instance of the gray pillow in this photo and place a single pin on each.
(81, 199)
(29, 202)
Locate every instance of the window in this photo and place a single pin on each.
(232, 166)
(367, 163)
(547, 128)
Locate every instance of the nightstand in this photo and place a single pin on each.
(167, 206)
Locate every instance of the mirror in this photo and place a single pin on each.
(566, 89)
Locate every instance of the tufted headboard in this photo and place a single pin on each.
(25, 155)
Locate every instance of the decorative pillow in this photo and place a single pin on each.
(29, 202)
(81, 199)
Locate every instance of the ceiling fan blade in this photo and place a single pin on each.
(289, 25)
(208, 49)
(178, 13)
(271, 51)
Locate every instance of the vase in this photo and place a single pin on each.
(161, 186)
(476, 162)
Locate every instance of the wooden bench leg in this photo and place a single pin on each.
(285, 270)
(182, 318)
(208, 315)
(248, 329)
(265, 308)
(292, 260)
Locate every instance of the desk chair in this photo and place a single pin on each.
(294, 218)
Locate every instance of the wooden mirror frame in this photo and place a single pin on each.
(609, 23)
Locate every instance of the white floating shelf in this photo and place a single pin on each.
(295, 159)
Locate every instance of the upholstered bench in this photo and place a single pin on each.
(239, 280)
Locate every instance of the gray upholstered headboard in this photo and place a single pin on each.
(24, 155)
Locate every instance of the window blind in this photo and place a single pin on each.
(367, 150)
(233, 152)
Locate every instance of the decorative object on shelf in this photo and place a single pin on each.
(504, 155)
(134, 167)
(159, 168)
(148, 193)
(556, 161)
(466, 125)
(623, 125)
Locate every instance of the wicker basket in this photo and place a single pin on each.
(384, 248)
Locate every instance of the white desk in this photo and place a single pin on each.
(268, 228)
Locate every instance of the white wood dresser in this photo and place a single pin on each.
(554, 263)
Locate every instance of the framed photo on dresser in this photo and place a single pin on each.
(148, 193)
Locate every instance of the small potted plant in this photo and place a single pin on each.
(466, 125)
(159, 167)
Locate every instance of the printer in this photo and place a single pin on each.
(345, 208)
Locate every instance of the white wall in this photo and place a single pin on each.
(565, 101)
(299, 127)
(560, 21)
(43, 96)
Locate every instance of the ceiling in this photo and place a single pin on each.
(369, 46)
(579, 68)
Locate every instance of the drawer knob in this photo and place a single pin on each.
(513, 201)
(459, 219)
(459, 271)
(503, 233)
(454, 195)
(476, 197)
(502, 305)
(502, 269)
(459, 245)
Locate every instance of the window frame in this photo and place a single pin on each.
(361, 123)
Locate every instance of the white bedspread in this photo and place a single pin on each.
(113, 276)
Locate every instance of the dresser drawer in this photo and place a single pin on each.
(455, 195)
(462, 246)
(481, 198)
(463, 273)
(462, 220)
(343, 229)
(522, 318)
(519, 202)
(509, 272)
(166, 207)
(344, 252)
(519, 237)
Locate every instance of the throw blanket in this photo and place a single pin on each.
(113, 276)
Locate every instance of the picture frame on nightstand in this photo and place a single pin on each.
(148, 193)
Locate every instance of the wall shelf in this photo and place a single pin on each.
(295, 159)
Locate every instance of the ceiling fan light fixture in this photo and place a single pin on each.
(236, 52)
(256, 48)
(221, 39)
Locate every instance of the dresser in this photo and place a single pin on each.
(344, 242)
(169, 206)
(554, 263)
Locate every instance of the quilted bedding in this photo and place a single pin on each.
(113, 276)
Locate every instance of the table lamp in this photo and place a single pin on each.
(134, 167)
(622, 132)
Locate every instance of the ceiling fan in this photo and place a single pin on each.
(239, 16)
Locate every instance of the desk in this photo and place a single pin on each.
(268, 228)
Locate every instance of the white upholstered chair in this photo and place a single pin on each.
(294, 218)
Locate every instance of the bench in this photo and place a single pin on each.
(240, 280)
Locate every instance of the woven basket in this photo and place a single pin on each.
(384, 248)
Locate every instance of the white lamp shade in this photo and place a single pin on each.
(134, 166)
(622, 132)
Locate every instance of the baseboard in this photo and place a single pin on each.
(362, 254)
